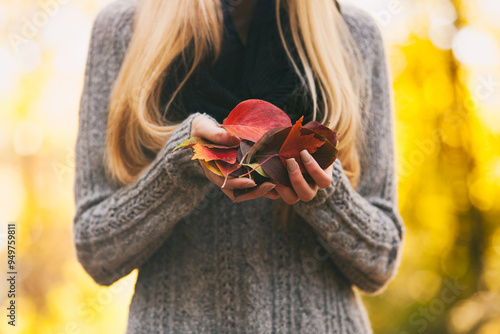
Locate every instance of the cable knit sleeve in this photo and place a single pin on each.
(117, 228)
(362, 229)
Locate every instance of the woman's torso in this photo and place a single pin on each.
(229, 268)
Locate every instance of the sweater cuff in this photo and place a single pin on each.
(179, 165)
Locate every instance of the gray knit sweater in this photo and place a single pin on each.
(207, 265)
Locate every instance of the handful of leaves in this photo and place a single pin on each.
(267, 140)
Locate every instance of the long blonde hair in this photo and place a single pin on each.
(164, 30)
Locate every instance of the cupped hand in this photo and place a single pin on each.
(301, 189)
(206, 128)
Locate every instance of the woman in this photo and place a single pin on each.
(159, 72)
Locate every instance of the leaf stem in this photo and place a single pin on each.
(263, 162)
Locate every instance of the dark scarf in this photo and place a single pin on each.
(259, 70)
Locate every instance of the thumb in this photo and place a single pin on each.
(209, 130)
(223, 137)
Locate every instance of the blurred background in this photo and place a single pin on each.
(444, 58)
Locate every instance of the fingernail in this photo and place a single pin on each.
(291, 164)
(250, 183)
(269, 187)
(305, 156)
(232, 137)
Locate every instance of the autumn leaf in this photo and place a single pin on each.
(244, 149)
(205, 153)
(328, 152)
(267, 140)
(265, 152)
(198, 140)
(212, 166)
(297, 141)
(251, 119)
(257, 168)
(226, 169)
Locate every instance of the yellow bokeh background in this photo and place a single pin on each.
(445, 64)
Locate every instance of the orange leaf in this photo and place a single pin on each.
(208, 154)
(212, 166)
(296, 142)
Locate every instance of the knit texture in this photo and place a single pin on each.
(207, 265)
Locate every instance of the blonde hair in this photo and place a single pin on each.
(165, 30)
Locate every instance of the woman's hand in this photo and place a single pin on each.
(204, 127)
(301, 189)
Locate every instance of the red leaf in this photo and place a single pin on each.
(205, 153)
(226, 169)
(252, 118)
(327, 153)
(266, 138)
(296, 142)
